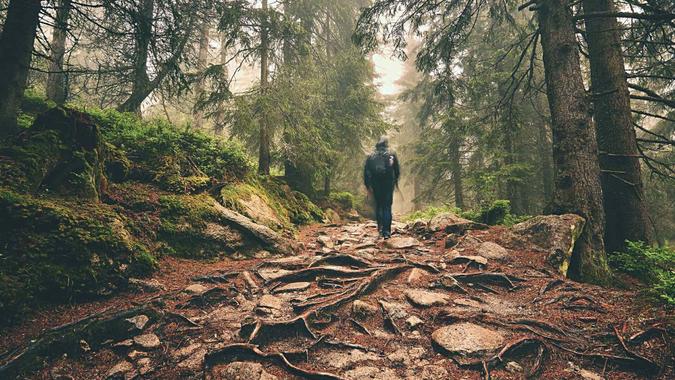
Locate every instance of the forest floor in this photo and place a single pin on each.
(354, 307)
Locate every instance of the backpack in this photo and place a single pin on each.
(383, 165)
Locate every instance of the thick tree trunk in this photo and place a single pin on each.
(577, 171)
(141, 86)
(544, 146)
(624, 202)
(456, 168)
(16, 48)
(513, 193)
(57, 88)
(202, 62)
(264, 152)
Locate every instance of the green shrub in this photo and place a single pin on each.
(655, 266)
(428, 213)
(498, 213)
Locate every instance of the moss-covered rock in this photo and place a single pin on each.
(54, 250)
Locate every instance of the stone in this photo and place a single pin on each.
(331, 216)
(555, 234)
(248, 278)
(147, 341)
(423, 298)
(583, 373)
(195, 359)
(133, 355)
(244, 371)
(362, 310)
(271, 274)
(374, 373)
(269, 303)
(467, 339)
(185, 351)
(293, 287)
(401, 242)
(150, 286)
(145, 366)
(432, 372)
(479, 260)
(467, 302)
(120, 370)
(124, 343)
(450, 223)
(513, 367)
(492, 250)
(325, 241)
(416, 275)
(138, 322)
(413, 321)
(342, 359)
(195, 289)
(395, 309)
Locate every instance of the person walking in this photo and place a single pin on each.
(380, 175)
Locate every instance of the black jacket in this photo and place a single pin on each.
(369, 178)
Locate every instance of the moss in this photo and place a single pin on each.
(55, 250)
(24, 165)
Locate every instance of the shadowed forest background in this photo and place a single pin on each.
(137, 130)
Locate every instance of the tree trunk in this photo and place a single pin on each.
(624, 201)
(326, 184)
(577, 171)
(219, 122)
(141, 87)
(456, 169)
(513, 193)
(57, 88)
(202, 62)
(264, 152)
(546, 168)
(16, 48)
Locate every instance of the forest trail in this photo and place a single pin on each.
(354, 307)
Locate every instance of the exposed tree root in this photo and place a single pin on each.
(647, 334)
(248, 352)
(489, 277)
(550, 285)
(389, 322)
(343, 260)
(216, 278)
(94, 330)
(640, 360)
(326, 271)
(213, 296)
(182, 318)
(469, 261)
(359, 326)
(262, 331)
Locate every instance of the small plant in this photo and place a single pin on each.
(343, 199)
(655, 266)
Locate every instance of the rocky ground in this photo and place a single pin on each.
(448, 301)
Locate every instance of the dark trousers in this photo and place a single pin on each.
(384, 197)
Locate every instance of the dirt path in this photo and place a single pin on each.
(350, 306)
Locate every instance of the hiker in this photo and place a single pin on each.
(380, 175)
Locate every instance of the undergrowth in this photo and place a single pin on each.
(654, 266)
(497, 213)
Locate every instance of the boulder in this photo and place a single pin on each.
(464, 340)
(450, 223)
(556, 234)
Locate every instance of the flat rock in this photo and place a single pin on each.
(460, 259)
(375, 373)
(147, 341)
(423, 298)
(244, 371)
(293, 287)
(467, 339)
(271, 274)
(492, 250)
(395, 309)
(138, 322)
(451, 223)
(431, 372)
(269, 301)
(195, 360)
(120, 370)
(401, 242)
(145, 366)
(342, 359)
(325, 241)
(195, 289)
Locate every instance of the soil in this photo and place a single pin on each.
(552, 328)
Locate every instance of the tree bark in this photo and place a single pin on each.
(264, 152)
(577, 171)
(141, 82)
(219, 122)
(202, 62)
(456, 172)
(57, 87)
(624, 202)
(544, 146)
(16, 48)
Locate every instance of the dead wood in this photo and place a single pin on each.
(248, 352)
